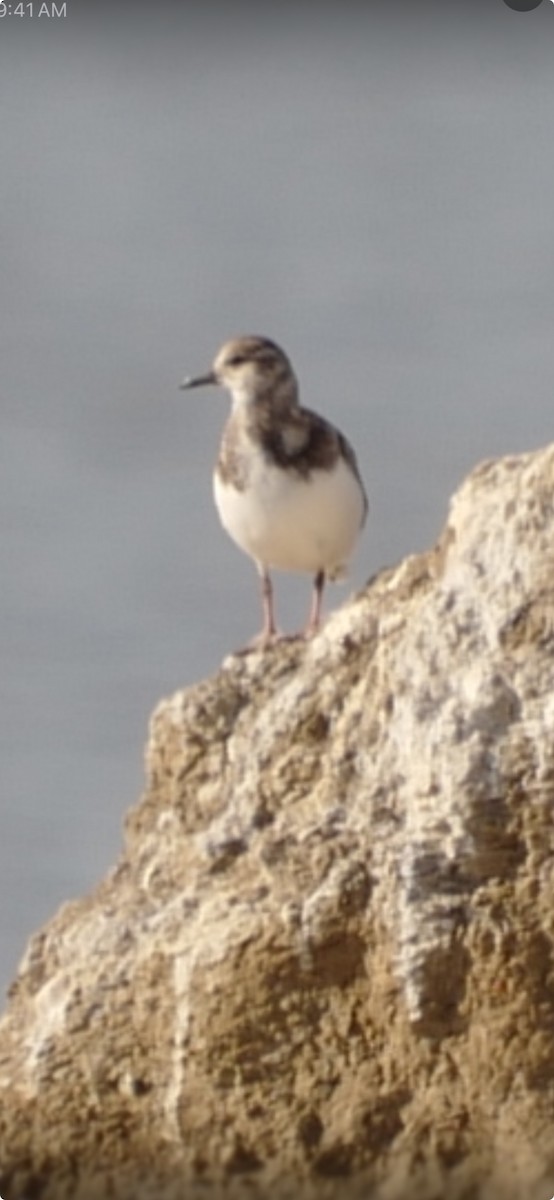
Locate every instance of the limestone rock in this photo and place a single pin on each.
(323, 965)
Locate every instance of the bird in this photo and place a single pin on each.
(287, 485)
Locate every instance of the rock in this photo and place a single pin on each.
(323, 965)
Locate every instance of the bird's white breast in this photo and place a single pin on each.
(293, 523)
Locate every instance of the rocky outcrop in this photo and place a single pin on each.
(323, 966)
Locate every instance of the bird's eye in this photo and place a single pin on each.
(236, 360)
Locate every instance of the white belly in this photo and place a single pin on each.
(291, 523)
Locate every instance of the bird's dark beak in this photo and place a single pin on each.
(199, 381)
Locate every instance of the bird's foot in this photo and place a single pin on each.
(268, 638)
(310, 630)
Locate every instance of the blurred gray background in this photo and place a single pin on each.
(373, 187)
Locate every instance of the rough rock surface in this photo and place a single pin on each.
(323, 966)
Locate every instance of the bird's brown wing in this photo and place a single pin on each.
(303, 442)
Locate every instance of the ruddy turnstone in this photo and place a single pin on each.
(286, 483)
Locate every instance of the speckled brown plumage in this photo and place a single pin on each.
(293, 438)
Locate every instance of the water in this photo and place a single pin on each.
(373, 190)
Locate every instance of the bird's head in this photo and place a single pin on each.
(252, 369)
